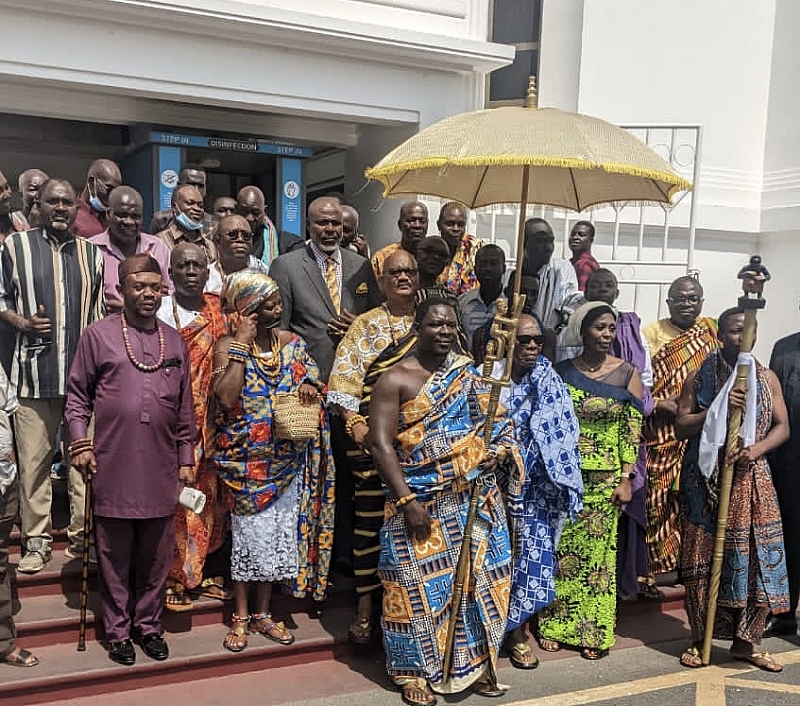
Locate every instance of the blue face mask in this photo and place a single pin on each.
(97, 204)
(184, 220)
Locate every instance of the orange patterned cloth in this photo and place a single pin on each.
(198, 535)
(672, 364)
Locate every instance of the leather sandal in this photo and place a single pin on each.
(20, 657)
(691, 658)
(416, 692)
(521, 656)
(276, 632)
(177, 600)
(360, 631)
(762, 660)
(236, 639)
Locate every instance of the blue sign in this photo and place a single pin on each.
(169, 164)
(291, 196)
(250, 144)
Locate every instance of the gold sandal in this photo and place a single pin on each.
(177, 600)
(236, 639)
(270, 629)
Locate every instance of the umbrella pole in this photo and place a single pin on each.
(751, 306)
(523, 207)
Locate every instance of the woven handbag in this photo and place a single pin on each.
(293, 421)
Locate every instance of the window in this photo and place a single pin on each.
(519, 23)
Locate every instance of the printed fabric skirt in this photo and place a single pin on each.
(584, 612)
(265, 546)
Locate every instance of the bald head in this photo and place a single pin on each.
(413, 225)
(349, 224)
(324, 223)
(185, 250)
(105, 169)
(29, 182)
(5, 195)
(188, 267)
(101, 179)
(124, 194)
(125, 217)
(251, 205)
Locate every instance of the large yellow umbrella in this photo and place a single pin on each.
(527, 155)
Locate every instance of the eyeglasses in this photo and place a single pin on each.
(244, 235)
(525, 339)
(400, 271)
(690, 299)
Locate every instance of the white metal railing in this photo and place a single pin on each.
(647, 246)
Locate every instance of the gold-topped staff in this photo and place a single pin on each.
(753, 276)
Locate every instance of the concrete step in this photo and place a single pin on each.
(64, 673)
(60, 576)
(53, 620)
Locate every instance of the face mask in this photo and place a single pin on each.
(184, 220)
(96, 203)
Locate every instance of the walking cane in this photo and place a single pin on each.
(501, 345)
(87, 527)
(753, 275)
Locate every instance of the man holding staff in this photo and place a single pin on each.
(753, 581)
(426, 436)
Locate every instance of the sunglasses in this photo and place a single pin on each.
(243, 235)
(525, 339)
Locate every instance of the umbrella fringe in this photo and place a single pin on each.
(382, 173)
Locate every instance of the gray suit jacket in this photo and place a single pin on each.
(307, 305)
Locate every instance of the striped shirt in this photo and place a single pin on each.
(67, 279)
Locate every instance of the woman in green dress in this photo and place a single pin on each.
(606, 393)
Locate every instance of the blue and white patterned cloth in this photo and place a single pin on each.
(547, 430)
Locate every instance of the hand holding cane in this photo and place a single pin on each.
(753, 277)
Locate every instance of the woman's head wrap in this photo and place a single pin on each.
(583, 316)
(245, 291)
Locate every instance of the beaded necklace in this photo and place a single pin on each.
(129, 350)
(268, 362)
(175, 315)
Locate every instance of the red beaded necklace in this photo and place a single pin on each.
(137, 363)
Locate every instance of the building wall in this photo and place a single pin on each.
(729, 66)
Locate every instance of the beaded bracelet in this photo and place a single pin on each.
(405, 500)
(350, 423)
(218, 370)
(237, 354)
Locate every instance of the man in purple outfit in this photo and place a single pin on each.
(132, 372)
(630, 346)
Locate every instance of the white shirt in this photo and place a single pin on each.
(558, 290)
(214, 284)
(166, 314)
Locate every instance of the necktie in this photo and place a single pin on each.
(333, 283)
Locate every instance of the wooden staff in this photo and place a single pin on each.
(753, 275)
(87, 528)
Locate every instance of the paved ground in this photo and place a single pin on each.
(645, 675)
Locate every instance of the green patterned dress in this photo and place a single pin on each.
(584, 612)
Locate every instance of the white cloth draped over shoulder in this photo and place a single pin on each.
(715, 428)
